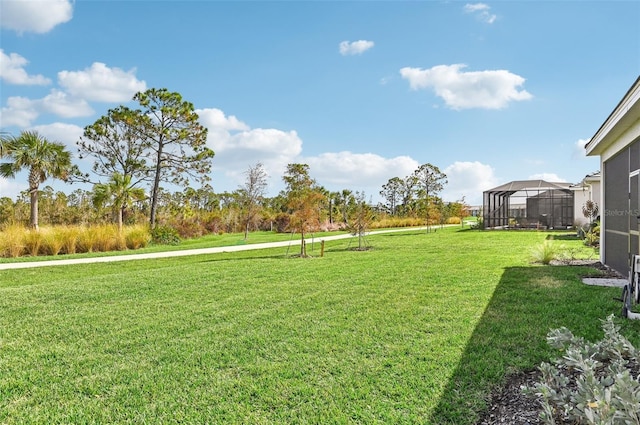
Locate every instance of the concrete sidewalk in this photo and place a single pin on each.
(187, 252)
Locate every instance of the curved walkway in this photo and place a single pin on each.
(183, 253)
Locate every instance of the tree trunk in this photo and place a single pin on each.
(428, 224)
(120, 218)
(330, 212)
(155, 190)
(33, 221)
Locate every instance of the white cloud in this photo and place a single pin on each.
(214, 118)
(355, 47)
(12, 71)
(356, 171)
(237, 146)
(272, 147)
(39, 16)
(97, 83)
(19, 112)
(60, 103)
(61, 132)
(466, 90)
(481, 11)
(101, 83)
(468, 179)
(549, 177)
(578, 149)
(229, 136)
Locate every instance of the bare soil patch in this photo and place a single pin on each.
(510, 406)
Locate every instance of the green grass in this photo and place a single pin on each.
(417, 330)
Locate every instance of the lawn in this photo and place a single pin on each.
(418, 329)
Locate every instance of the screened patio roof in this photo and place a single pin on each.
(528, 203)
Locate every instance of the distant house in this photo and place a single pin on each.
(617, 142)
(587, 190)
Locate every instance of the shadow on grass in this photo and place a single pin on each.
(217, 258)
(562, 237)
(511, 334)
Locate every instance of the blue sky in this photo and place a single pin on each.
(362, 91)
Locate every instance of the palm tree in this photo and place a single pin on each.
(43, 159)
(4, 137)
(119, 193)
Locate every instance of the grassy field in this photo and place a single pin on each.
(418, 329)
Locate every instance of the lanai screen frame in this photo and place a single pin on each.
(497, 204)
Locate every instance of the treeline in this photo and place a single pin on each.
(137, 152)
(195, 212)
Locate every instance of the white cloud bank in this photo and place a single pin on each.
(97, 83)
(65, 133)
(350, 48)
(466, 90)
(38, 16)
(468, 179)
(12, 71)
(21, 111)
(367, 171)
(238, 146)
(101, 84)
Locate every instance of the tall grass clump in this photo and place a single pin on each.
(12, 242)
(70, 236)
(103, 238)
(544, 253)
(33, 241)
(106, 238)
(392, 222)
(53, 240)
(16, 240)
(137, 237)
(87, 240)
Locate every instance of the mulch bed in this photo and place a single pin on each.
(508, 405)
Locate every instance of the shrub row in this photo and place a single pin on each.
(591, 383)
(16, 241)
(392, 222)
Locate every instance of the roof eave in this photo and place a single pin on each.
(617, 122)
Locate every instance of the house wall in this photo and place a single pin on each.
(617, 142)
(621, 206)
